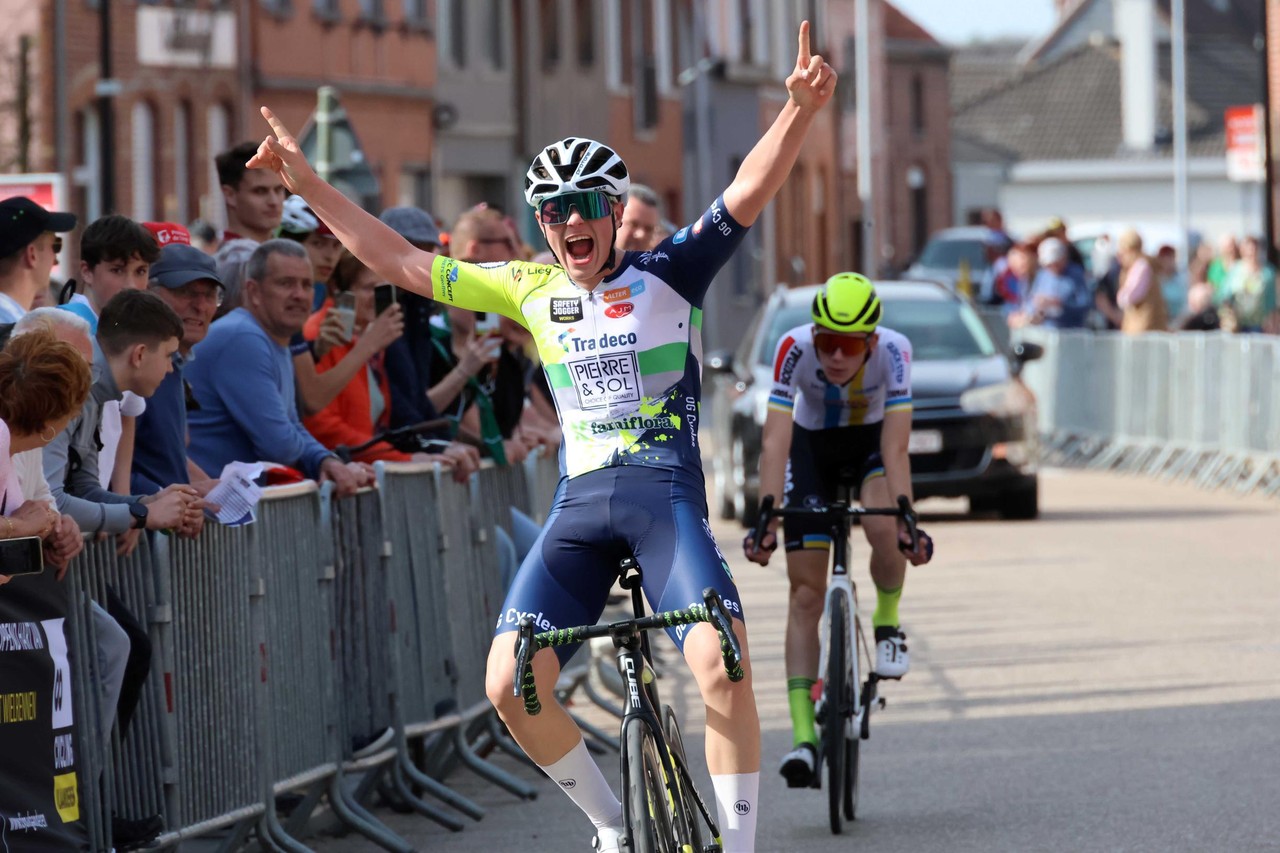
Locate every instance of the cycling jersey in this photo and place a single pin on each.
(624, 360)
(800, 388)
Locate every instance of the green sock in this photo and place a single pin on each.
(886, 614)
(801, 701)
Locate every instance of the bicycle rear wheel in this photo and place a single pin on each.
(839, 690)
(688, 816)
(650, 814)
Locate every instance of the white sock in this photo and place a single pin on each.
(737, 795)
(579, 776)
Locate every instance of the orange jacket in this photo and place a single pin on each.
(348, 420)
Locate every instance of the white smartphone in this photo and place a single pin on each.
(345, 305)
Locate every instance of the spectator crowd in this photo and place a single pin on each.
(176, 351)
(1126, 283)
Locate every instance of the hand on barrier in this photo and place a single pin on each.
(516, 449)
(169, 507)
(33, 518)
(63, 546)
(127, 542)
(465, 460)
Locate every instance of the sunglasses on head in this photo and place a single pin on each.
(828, 342)
(590, 205)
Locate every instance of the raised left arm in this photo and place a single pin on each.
(809, 87)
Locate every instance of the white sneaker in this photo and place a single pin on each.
(892, 658)
(797, 765)
(607, 840)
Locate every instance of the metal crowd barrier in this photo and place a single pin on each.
(1201, 407)
(277, 643)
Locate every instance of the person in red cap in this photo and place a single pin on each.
(116, 254)
(168, 232)
(29, 246)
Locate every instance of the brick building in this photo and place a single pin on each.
(190, 77)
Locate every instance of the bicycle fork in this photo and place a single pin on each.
(839, 586)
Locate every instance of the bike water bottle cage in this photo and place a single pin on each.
(590, 205)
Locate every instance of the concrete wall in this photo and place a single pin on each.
(975, 185)
(1217, 205)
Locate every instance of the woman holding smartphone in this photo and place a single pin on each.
(43, 384)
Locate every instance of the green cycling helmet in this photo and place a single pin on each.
(847, 303)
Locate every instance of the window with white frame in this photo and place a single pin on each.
(218, 139)
(182, 160)
(143, 126)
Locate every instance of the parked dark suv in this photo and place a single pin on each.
(974, 423)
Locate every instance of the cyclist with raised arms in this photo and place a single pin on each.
(620, 340)
(840, 405)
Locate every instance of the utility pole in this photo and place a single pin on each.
(106, 89)
(1179, 70)
(1268, 156)
(862, 86)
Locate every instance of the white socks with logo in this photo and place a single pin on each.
(736, 797)
(579, 776)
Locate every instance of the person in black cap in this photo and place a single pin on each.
(187, 280)
(29, 246)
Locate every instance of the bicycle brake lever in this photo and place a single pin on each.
(909, 517)
(524, 647)
(730, 648)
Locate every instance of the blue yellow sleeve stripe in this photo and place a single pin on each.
(897, 404)
(780, 404)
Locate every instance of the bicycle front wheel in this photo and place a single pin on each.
(840, 704)
(650, 793)
(688, 816)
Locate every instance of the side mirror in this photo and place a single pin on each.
(720, 361)
(1025, 351)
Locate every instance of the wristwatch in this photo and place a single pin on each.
(139, 512)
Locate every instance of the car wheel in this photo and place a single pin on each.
(1022, 504)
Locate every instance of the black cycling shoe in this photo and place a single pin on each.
(798, 765)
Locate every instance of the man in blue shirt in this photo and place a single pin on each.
(187, 280)
(242, 377)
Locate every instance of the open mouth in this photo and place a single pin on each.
(580, 249)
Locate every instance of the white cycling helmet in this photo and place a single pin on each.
(298, 218)
(575, 164)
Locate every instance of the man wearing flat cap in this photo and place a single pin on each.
(29, 246)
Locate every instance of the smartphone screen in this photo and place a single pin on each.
(345, 304)
(22, 556)
(486, 323)
(384, 296)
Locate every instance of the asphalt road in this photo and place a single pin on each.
(1106, 678)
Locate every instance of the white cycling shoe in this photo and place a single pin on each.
(892, 658)
(607, 840)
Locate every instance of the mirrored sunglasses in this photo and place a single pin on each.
(590, 205)
(828, 342)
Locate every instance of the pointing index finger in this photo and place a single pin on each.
(803, 58)
(276, 125)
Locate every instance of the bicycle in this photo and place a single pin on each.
(843, 707)
(662, 811)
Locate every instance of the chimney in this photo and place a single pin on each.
(1135, 22)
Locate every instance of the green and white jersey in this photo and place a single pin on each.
(624, 361)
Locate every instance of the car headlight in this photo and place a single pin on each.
(1007, 399)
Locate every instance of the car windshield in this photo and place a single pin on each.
(939, 331)
(947, 254)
